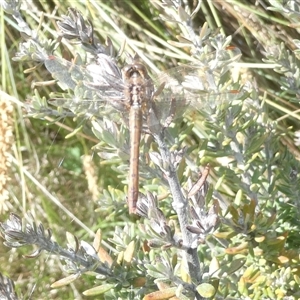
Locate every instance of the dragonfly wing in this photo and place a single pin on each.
(63, 72)
(105, 74)
(200, 84)
(107, 85)
(187, 87)
(93, 87)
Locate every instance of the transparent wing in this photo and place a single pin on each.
(99, 88)
(95, 90)
(190, 88)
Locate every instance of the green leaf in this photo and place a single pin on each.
(98, 290)
(206, 290)
(65, 281)
(235, 265)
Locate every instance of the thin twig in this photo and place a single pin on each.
(180, 205)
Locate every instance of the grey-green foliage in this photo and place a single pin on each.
(251, 174)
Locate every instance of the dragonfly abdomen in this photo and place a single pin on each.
(135, 121)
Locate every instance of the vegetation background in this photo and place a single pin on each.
(66, 177)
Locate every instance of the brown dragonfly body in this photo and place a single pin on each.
(129, 91)
(138, 97)
(142, 101)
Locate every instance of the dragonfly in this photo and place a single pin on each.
(132, 91)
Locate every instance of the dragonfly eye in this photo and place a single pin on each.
(142, 70)
(135, 70)
(128, 72)
(126, 69)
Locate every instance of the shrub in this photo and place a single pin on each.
(217, 210)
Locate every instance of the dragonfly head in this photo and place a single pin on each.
(135, 70)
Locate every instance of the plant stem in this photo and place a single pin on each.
(180, 205)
